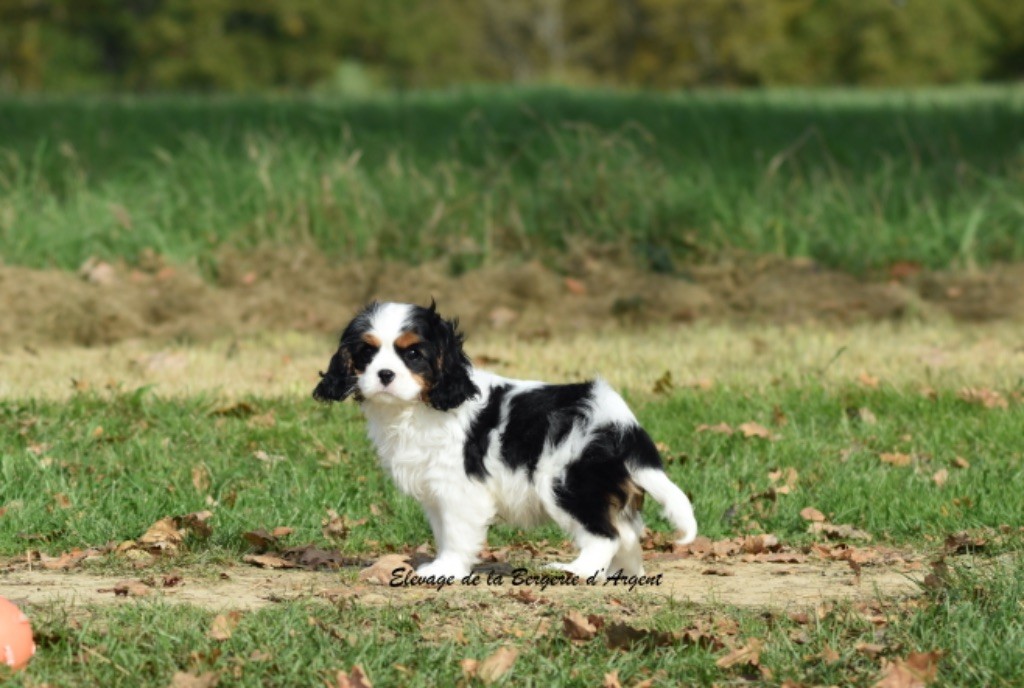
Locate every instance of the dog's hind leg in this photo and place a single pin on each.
(630, 557)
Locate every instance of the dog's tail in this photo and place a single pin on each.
(676, 505)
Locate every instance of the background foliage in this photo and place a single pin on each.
(355, 46)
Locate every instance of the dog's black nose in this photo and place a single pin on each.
(386, 376)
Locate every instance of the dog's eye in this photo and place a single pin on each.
(413, 354)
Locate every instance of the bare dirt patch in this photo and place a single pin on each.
(740, 584)
(301, 290)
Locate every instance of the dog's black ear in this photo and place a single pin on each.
(340, 379)
(452, 383)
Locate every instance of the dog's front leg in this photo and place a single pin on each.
(460, 525)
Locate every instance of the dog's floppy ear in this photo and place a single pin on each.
(340, 379)
(452, 384)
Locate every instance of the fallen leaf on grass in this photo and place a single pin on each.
(167, 534)
(268, 561)
(201, 480)
(757, 544)
(961, 462)
(224, 625)
(620, 636)
(752, 429)
(356, 678)
(964, 542)
(381, 571)
(497, 665)
(895, 458)
(871, 650)
(182, 679)
(128, 589)
(578, 627)
(337, 527)
(260, 539)
(719, 429)
(749, 654)
(916, 671)
(811, 514)
(611, 680)
(988, 398)
(838, 532)
(867, 380)
(940, 477)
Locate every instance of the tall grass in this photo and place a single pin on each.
(853, 180)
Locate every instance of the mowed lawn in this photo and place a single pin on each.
(907, 463)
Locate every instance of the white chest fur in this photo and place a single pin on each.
(419, 446)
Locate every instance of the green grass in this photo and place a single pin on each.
(853, 180)
(973, 619)
(139, 468)
(125, 462)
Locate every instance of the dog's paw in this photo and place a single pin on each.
(443, 569)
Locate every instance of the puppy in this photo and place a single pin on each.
(473, 447)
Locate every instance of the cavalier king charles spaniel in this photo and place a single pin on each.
(473, 447)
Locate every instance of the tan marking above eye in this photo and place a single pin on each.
(372, 340)
(407, 339)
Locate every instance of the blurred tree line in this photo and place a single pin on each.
(361, 45)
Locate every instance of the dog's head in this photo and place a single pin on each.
(397, 353)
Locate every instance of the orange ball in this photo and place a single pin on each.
(16, 646)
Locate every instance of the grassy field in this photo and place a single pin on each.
(907, 465)
(853, 180)
(903, 436)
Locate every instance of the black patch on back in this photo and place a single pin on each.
(639, 448)
(540, 415)
(478, 441)
(600, 476)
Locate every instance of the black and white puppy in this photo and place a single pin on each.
(473, 447)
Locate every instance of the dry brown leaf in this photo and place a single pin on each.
(866, 416)
(988, 398)
(577, 627)
(497, 665)
(811, 514)
(867, 380)
(756, 544)
(828, 655)
(940, 477)
(916, 671)
(129, 589)
(575, 286)
(751, 429)
(961, 462)
(201, 478)
(469, 667)
(260, 539)
(895, 458)
(182, 679)
(719, 429)
(337, 527)
(268, 561)
(162, 536)
(382, 571)
(838, 532)
(611, 680)
(872, 650)
(620, 636)
(356, 678)
(748, 654)
(224, 625)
